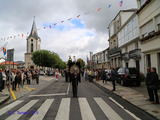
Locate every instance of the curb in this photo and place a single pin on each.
(5, 100)
(102, 87)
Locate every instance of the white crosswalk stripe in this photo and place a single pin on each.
(42, 110)
(22, 109)
(85, 109)
(109, 112)
(10, 106)
(63, 111)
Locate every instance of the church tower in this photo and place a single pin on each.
(33, 44)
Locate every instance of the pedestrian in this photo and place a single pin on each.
(4, 79)
(154, 82)
(89, 75)
(29, 78)
(37, 78)
(66, 75)
(57, 75)
(17, 80)
(1, 80)
(103, 76)
(113, 78)
(34, 77)
(13, 75)
(92, 75)
(74, 82)
(148, 82)
(86, 74)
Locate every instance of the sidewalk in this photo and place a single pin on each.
(134, 95)
(4, 95)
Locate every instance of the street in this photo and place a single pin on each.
(54, 100)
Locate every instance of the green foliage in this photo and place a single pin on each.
(81, 62)
(3, 66)
(47, 58)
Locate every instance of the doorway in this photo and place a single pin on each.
(137, 65)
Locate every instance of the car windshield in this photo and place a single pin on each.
(133, 71)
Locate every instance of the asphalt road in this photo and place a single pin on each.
(53, 100)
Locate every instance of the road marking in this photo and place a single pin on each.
(42, 110)
(130, 113)
(68, 89)
(43, 95)
(109, 112)
(29, 88)
(85, 109)
(17, 114)
(64, 109)
(10, 106)
(14, 97)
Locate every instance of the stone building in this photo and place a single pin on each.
(33, 44)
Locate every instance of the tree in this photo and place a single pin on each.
(82, 63)
(3, 66)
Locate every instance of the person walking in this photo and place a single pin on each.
(13, 79)
(17, 80)
(103, 76)
(92, 75)
(29, 78)
(57, 75)
(89, 75)
(66, 75)
(86, 74)
(74, 82)
(113, 78)
(154, 79)
(37, 76)
(148, 82)
(4, 79)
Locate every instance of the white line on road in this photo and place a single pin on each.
(68, 89)
(63, 111)
(130, 113)
(21, 111)
(47, 95)
(10, 106)
(109, 112)
(85, 109)
(42, 110)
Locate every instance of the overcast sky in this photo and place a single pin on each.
(76, 37)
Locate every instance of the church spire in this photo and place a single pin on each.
(34, 33)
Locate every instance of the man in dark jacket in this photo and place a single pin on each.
(17, 80)
(148, 82)
(113, 78)
(74, 80)
(154, 84)
(103, 75)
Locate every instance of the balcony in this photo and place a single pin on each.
(114, 50)
(135, 54)
(125, 56)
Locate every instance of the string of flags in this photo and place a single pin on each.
(50, 26)
(4, 49)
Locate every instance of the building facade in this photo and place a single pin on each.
(33, 44)
(149, 31)
(128, 42)
(114, 51)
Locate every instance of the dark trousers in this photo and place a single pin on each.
(28, 81)
(13, 85)
(114, 85)
(74, 89)
(150, 93)
(37, 80)
(156, 95)
(66, 78)
(0, 85)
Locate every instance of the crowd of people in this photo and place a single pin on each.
(18, 77)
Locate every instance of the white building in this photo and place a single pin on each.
(128, 41)
(149, 31)
(33, 44)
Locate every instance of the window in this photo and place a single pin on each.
(31, 40)
(126, 49)
(136, 46)
(158, 22)
(148, 57)
(111, 30)
(147, 29)
(31, 47)
(158, 25)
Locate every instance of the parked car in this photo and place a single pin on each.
(41, 72)
(50, 72)
(108, 75)
(128, 75)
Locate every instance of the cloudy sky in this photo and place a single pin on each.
(77, 36)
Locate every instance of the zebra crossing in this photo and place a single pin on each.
(63, 112)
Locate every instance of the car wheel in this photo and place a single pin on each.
(138, 83)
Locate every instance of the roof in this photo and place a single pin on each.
(7, 63)
(34, 32)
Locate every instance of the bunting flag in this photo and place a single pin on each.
(78, 16)
(120, 3)
(109, 5)
(99, 9)
(3, 48)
